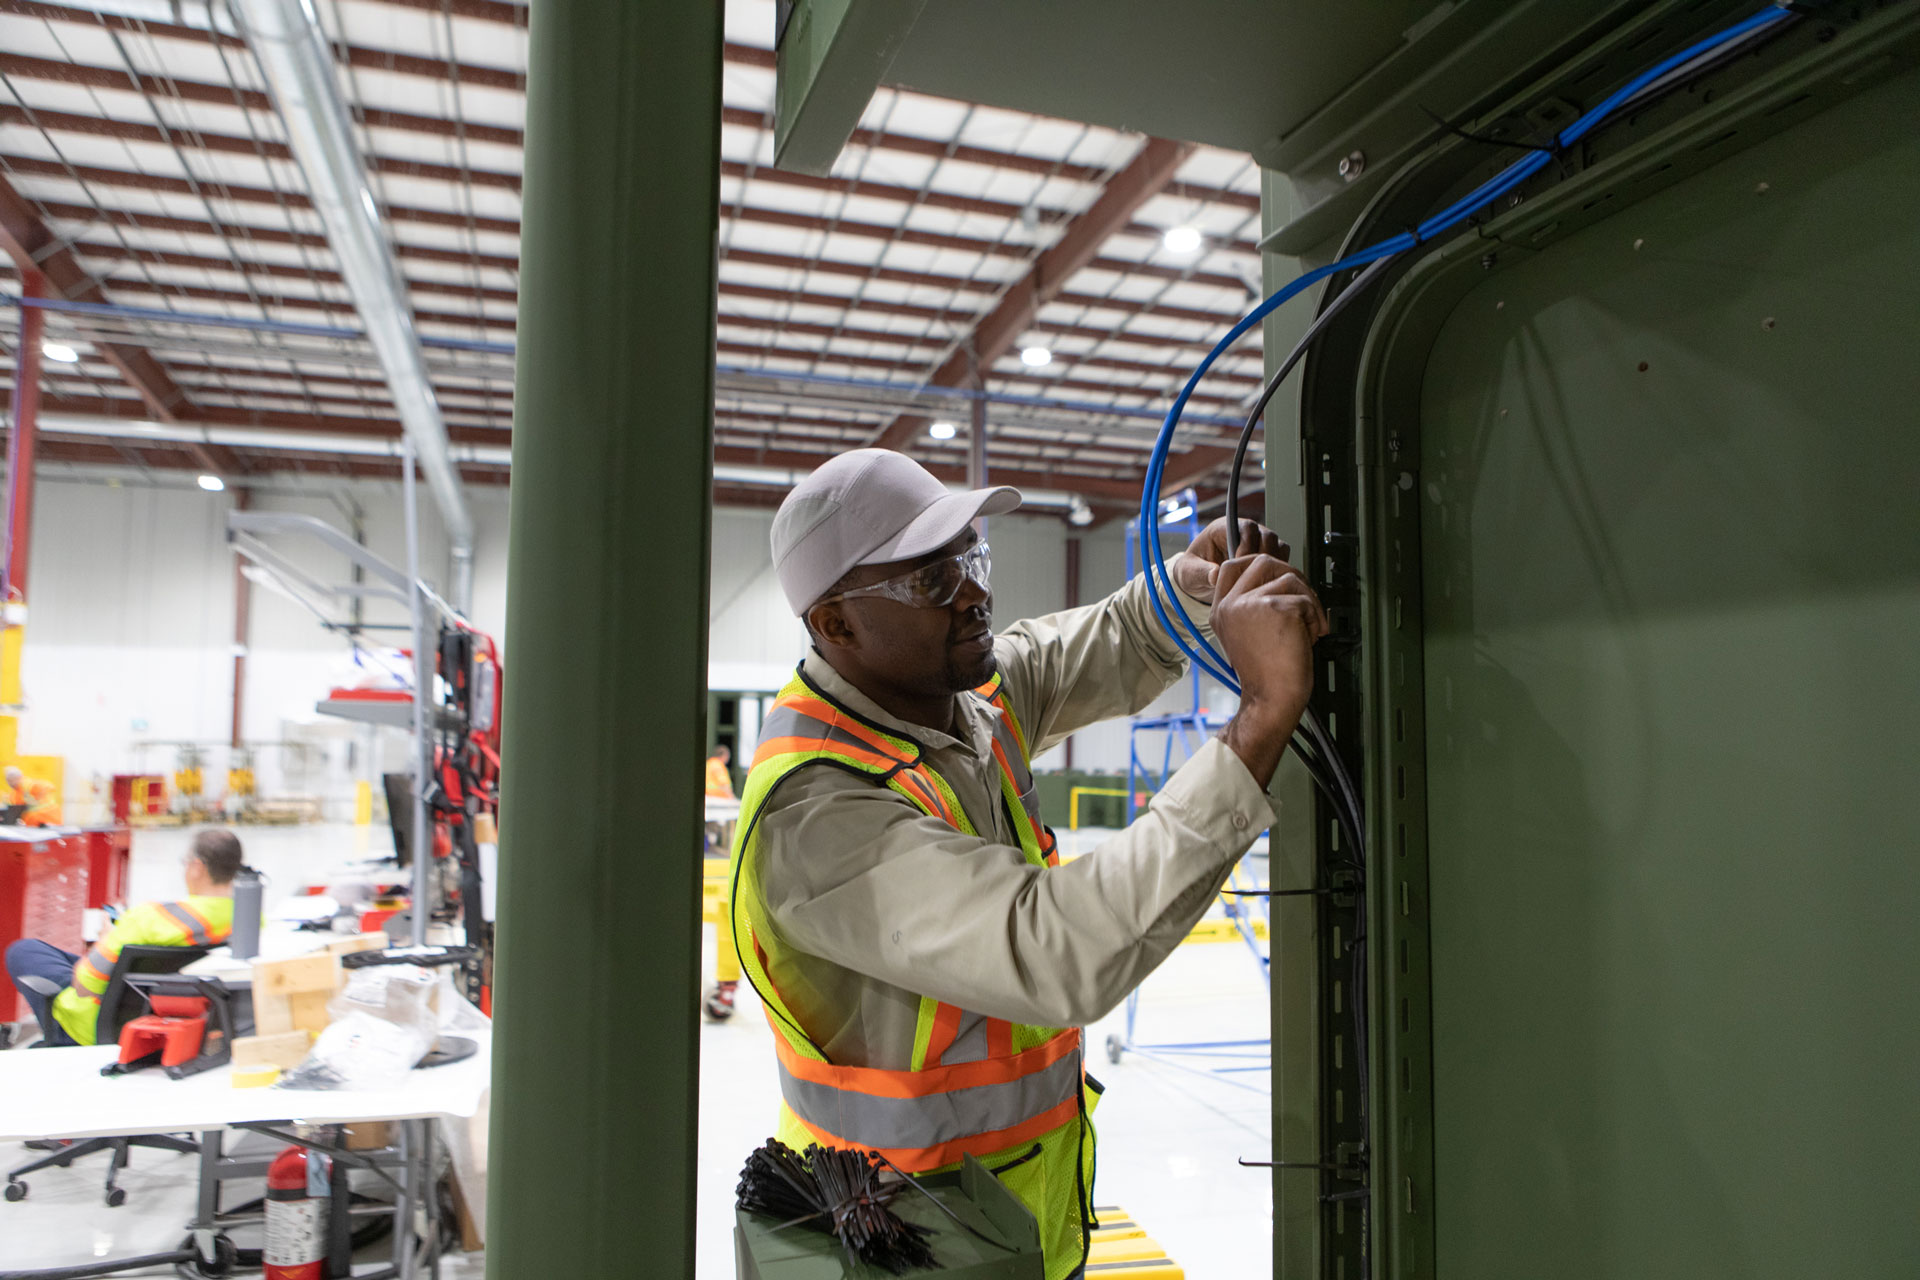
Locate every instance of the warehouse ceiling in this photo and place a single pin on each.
(146, 171)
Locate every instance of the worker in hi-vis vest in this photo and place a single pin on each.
(719, 779)
(36, 794)
(897, 902)
(204, 918)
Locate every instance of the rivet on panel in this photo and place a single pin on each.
(1767, 325)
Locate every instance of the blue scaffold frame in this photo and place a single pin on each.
(1190, 729)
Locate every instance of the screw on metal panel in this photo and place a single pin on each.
(1638, 243)
(1762, 189)
(1393, 442)
(1353, 164)
(1487, 260)
(1768, 324)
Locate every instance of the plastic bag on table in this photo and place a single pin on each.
(383, 1024)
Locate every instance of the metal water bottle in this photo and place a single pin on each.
(245, 940)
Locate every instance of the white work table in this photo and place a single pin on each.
(60, 1093)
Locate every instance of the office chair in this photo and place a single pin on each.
(119, 1004)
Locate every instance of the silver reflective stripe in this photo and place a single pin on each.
(969, 1043)
(868, 1121)
(785, 722)
(185, 920)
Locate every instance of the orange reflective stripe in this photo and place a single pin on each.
(920, 787)
(816, 746)
(994, 691)
(883, 1083)
(999, 1038)
(927, 1159)
(189, 921)
(1000, 754)
(88, 968)
(214, 932)
(827, 713)
(946, 1025)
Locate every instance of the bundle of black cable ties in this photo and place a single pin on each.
(846, 1194)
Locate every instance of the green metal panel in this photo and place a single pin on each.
(831, 55)
(1659, 506)
(596, 1045)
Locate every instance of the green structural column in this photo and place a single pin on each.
(596, 1051)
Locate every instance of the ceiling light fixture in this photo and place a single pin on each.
(942, 430)
(1079, 514)
(59, 351)
(212, 484)
(1181, 239)
(1036, 357)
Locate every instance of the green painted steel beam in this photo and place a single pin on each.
(831, 55)
(596, 1049)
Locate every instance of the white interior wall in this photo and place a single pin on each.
(129, 638)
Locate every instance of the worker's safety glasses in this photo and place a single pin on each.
(931, 586)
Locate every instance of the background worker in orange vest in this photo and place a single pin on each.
(43, 807)
(203, 918)
(925, 961)
(719, 777)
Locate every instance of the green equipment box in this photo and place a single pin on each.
(766, 1250)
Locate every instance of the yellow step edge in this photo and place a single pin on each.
(1131, 1249)
(1139, 1269)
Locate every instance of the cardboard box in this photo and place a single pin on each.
(369, 1135)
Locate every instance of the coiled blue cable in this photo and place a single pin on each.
(1159, 583)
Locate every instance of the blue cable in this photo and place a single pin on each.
(1160, 588)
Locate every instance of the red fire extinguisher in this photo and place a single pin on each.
(298, 1197)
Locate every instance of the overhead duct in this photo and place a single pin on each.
(294, 56)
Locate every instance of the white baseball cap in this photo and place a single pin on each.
(869, 506)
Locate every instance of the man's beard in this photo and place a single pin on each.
(960, 681)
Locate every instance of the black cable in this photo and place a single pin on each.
(110, 1266)
(1320, 322)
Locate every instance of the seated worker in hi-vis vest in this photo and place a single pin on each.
(35, 796)
(897, 902)
(204, 918)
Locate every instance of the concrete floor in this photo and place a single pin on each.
(1169, 1136)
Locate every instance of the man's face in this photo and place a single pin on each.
(932, 652)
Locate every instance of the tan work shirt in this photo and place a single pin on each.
(875, 904)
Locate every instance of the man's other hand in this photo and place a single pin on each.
(1197, 571)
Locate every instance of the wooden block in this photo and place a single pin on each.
(284, 1049)
(375, 941)
(308, 1010)
(319, 971)
(302, 1011)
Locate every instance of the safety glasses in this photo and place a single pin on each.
(931, 586)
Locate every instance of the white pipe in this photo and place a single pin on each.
(295, 58)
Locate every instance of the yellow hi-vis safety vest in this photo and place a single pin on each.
(1015, 1097)
(185, 922)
